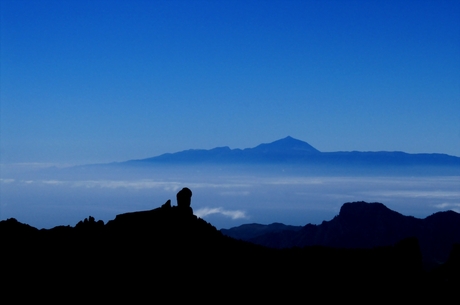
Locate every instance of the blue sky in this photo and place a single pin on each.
(101, 81)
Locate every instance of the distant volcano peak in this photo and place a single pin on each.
(287, 144)
(289, 150)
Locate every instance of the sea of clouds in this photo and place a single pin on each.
(47, 198)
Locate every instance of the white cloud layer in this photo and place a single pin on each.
(137, 184)
(233, 214)
(449, 206)
(416, 194)
(7, 180)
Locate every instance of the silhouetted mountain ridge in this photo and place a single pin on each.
(168, 252)
(253, 230)
(293, 151)
(367, 225)
(285, 145)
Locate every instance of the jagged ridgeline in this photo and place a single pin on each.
(168, 252)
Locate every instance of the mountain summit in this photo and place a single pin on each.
(284, 150)
(288, 144)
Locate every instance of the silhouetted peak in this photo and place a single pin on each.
(364, 216)
(89, 223)
(443, 216)
(12, 225)
(286, 144)
(166, 205)
(362, 208)
(179, 217)
(221, 149)
(184, 200)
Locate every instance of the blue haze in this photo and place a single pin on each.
(112, 80)
(100, 81)
(225, 195)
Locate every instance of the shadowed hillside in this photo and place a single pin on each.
(364, 225)
(168, 252)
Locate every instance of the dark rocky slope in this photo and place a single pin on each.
(168, 254)
(367, 225)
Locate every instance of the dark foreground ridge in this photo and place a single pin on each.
(362, 225)
(169, 254)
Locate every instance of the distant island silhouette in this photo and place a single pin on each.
(168, 251)
(296, 155)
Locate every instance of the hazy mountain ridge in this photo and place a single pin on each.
(281, 150)
(363, 225)
(253, 230)
(292, 151)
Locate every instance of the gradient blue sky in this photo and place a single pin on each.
(101, 81)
